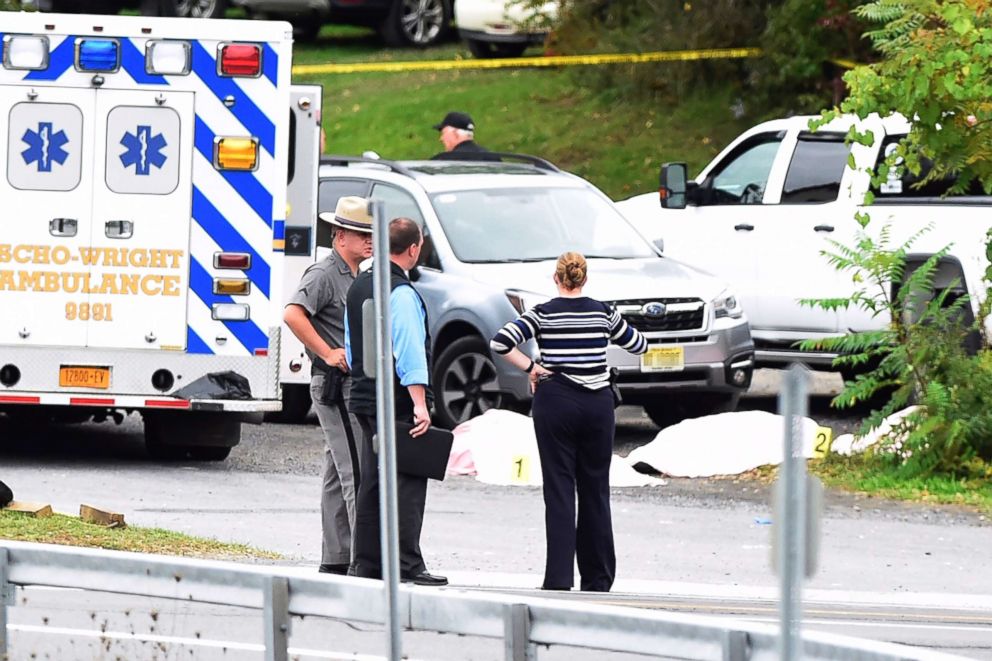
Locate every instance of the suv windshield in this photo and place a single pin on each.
(534, 224)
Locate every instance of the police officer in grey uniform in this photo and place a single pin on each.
(315, 314)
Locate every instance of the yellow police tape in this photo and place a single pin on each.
(516, 62)
(845, 64)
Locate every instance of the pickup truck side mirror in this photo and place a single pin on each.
(672, 185)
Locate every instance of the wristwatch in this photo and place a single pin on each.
(530, 367)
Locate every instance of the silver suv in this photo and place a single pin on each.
(493, 232)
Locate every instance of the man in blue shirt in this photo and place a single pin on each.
(411, 387)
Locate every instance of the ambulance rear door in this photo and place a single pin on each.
(45, 220)
(142, 207)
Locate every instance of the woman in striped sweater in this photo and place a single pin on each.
(574, 421)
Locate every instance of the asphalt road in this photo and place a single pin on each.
(889, 571)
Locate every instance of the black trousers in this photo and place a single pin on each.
(412, 497)
(575, 428)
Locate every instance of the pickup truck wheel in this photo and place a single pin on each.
(295, 405)
(668, 410)
(203, 438)
(465, 383)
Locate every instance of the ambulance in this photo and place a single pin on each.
(300, 243)
(143, 184)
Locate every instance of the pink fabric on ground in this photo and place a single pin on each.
(460, 460)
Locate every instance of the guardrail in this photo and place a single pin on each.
(522, 622)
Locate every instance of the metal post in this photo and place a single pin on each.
(792, 523)
(6, 599)
(516, 633)
(386, 429)
(275, 599)
(736, 646)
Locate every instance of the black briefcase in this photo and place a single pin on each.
(425, 455)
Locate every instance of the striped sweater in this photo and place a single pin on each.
(572, 335)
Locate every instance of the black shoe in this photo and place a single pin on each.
(341, 570)
(557, 589)
(423, 578)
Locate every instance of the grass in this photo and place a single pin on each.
(858, 475)
(616, 143)
(68, 530)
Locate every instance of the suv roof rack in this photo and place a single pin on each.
(536, 161)
(334, 159)
(498, 157)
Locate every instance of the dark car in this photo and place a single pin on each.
(400, 22)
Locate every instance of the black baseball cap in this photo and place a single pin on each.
(458, 120)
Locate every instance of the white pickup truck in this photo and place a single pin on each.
(762, 211)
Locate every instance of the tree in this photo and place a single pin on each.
(804, 47)
(935, 70)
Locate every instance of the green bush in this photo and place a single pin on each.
(919, 358)
(806, 44)
(637, 26)
(934, 68)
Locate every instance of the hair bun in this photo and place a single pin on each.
(571, 270)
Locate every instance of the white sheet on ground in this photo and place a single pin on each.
(848, 444)
(724, 444)
(500, 447)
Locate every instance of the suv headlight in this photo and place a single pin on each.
(524, 300)
(727, 305)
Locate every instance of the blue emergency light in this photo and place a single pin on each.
(97, 55)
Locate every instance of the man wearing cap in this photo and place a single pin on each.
(315, 314)
(458, 136)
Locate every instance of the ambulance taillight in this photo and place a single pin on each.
(232, 286)
(232, 260)
(98, 55)
(230, 312)
(167, 57)
(236, 153)
(21, 51)
(241, 60)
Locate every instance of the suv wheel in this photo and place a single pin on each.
(668, 410)
(306, 27)
(465, 382)
(416, 22)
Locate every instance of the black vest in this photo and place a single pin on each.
(362, 400)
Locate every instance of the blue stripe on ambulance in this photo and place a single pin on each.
(202, 284)
(253, 119)
(224, 235)
(270, 64)
(194, 344)
(60, 60)
(244, 183)
(279, 230)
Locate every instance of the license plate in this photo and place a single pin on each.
(663, 359)
(84, 377)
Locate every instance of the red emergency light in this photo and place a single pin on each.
(241, 60)
(232, 260)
